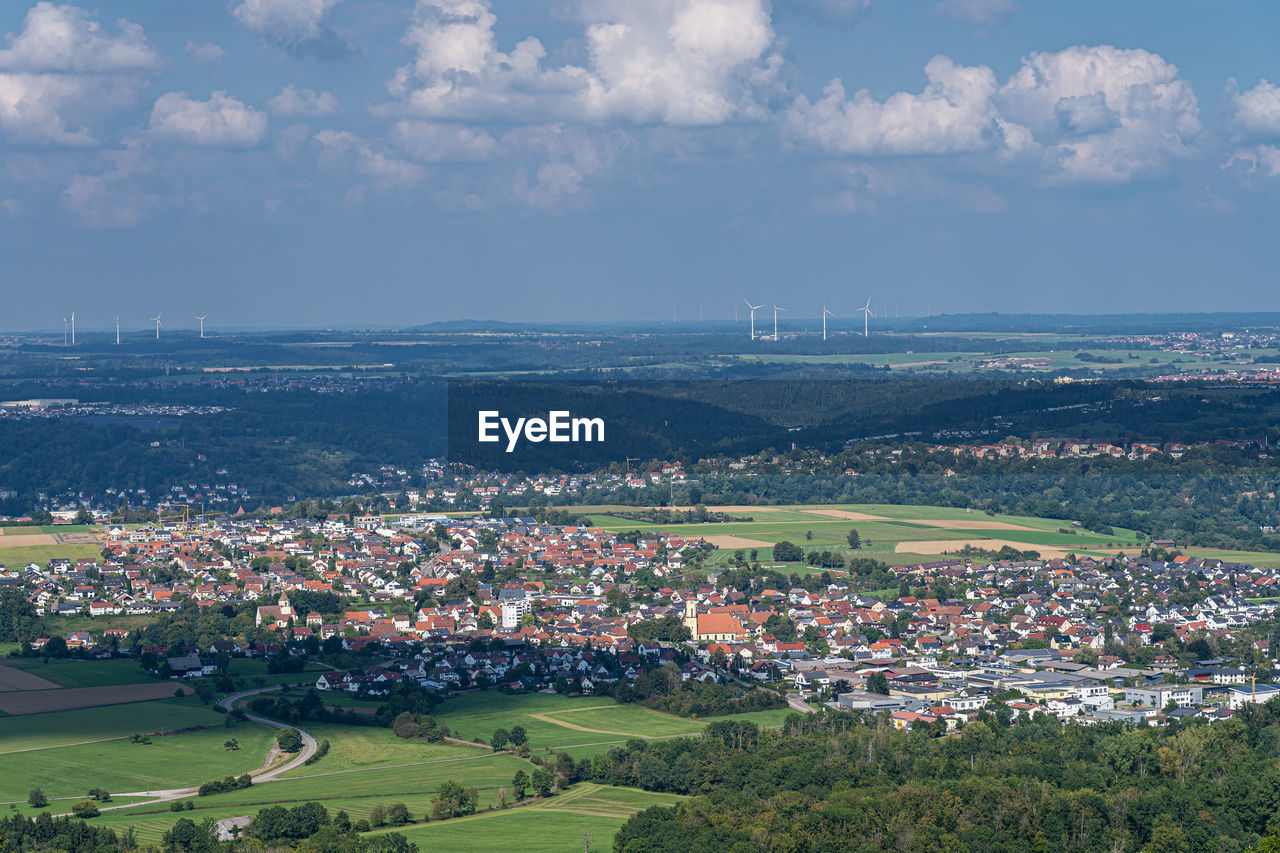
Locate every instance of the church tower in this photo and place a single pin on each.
(691, 616)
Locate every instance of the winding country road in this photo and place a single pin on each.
(265, 773)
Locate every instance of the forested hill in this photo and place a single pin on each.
(837, 782)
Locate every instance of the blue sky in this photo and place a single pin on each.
(339, 162)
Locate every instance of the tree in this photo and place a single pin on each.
(520, 784)
(586, 838)
(289, 740)
(231, 744)
(788, 552)
(877, 682)
(398, 814)
(185, 836)
(19, 621)
(85, 809)
(500, 738)
(453, 800)
(542, 780)
(854, 539)
(37, 799)
(519, 736)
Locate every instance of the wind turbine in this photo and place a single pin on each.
(867, 314)
(201, 317)
(753, 317)
(825, 314)
(156, 320)
(776, 309)
(64, 331)
(117, 330)
(73, 328)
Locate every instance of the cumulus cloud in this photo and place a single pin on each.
(953, 113)
(291, 24)
(220, 121)
(435, 142)
(293, 101)
(1255, 113)
(62, 71)
(1088, 113)
(679, 62)
(1104, 114)
(206, 54)
(67, 38)
(980, 13)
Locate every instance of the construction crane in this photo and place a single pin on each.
(631, 459)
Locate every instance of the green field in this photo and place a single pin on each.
(21, 555)
(1063, 358)
(82, 673)
(356, 747)
(814, 528)
(559, 722)
(545, 826)
(68, 752)
(353, 791)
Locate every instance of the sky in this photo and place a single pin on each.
(318, 163)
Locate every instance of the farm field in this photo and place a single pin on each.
(21, 555)
(894, 534)
(554, 824)
(357, 747)
(1055, 359)
(44, 752)
(355, 791)
(558, 721)
(18, 702)
(68, 727)
(81, 673)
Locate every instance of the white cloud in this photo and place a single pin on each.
(1097, 114)
(66, 38)
(1260, 160)
(293, 101)
(680, 62)
(1102, 113)
(954, 113)
(286, 22)
(434, 142)
(206, 54)
(63, 71)
(980, 13)
(1255, 113)
(220, 121)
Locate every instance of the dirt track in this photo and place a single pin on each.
(27, 539)
(12, 678)
(67, 698)
(944, 546)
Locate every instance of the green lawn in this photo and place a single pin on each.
(546, 826)
(20, 555)
(353, 747)
(82, 673)
(549, 719)
(67, 727)
(355, 792)
(170, 761)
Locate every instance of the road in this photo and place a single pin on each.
(264, 773)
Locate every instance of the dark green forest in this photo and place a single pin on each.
(839, 782)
